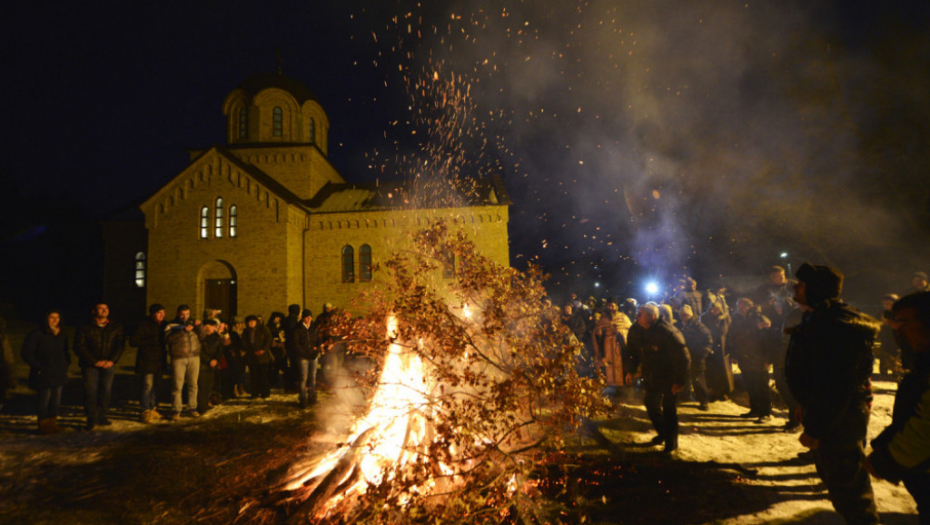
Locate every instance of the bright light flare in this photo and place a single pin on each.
(652, 288)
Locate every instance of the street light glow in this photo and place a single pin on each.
(652, 288)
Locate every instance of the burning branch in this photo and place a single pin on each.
(477, 379)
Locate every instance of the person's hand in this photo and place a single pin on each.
(259, 352)
(677, 388)
(213, 363)
(100, 364)
(809, 442)
(196, 322)
(628, 380)
(189, 327)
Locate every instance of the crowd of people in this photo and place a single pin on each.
(820, 350)
(206, 360)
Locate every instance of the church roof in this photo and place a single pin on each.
(336, 198)
(254, 84)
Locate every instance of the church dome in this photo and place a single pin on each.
(273, 108)
(255, 84)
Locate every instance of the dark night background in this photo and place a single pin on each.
(637, 139)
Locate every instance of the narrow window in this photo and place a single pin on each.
(243, 123)
(233, 220)
(311, 132)
(140, 270)
(278, 122)
(364, 263)
(348, 265)
(218, 219)
(204, 222)
(448, 264)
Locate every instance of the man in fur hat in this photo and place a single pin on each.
(828, 368)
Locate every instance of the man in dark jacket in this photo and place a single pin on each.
(665, 363)
(292, 372)
(306, 352)
(828, 368)
(902, 451)
(699, 342)
(211, 351)
(98, 345)
(151, 360)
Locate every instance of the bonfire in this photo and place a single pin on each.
(475, 385)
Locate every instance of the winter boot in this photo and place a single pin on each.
(155, 415)
(146, 417)
(54, 424)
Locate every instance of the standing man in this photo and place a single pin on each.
(151, 360)
(256, 340)
(306, 351)
(919, 282)
(98, 345)
(183, 337)
(829, 368)
(902, 451)
(211, 351)
(292, 371)
(700, 343)
(665, 362)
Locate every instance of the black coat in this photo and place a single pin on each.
(829, 369)
(93, 343)
(663, 355)
(698, 339)
(47, 357)
(307, 344)
(255, 340)
(211, 348)
(151, 356)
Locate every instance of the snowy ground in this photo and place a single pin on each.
(764, 456)
(736, 471)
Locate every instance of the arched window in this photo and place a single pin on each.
(233, 220)
(311, 132)
(140, 270)
(364, 263)
(243, 123)
(277, 128)
(218, 219)
(204, 222)
(348, 264)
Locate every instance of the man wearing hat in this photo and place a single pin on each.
(828, 368)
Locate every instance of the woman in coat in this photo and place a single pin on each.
(256, 339)
(46, 351)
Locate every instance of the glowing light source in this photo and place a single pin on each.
(784, 255)
(652, 288)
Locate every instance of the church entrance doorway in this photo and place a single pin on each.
(220, 294)
(218, 288)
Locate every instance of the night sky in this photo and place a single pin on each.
(636, 137)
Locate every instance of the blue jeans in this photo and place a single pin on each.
(49, 401)
(186, 370)
(98, 385)
(149, 391)
(307, 372)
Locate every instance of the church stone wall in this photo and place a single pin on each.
(386, 232)
(258, 254)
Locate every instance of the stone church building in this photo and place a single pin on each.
(265, 220)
